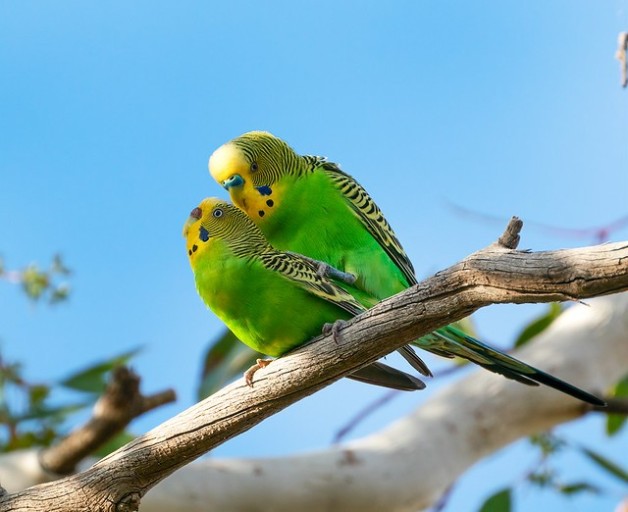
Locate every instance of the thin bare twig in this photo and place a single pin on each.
(620, 55)
(614, 406)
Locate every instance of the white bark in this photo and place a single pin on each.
(408, 465)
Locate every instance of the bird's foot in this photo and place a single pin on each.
(325, 270)
(334, 330)
(259, 363)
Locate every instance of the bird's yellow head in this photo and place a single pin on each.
(250, 167)
(217, 220)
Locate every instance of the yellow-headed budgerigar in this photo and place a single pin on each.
(306, 204)
(271, 300)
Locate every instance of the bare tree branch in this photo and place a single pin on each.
(121, 403)
(492, 275)
(614, 406)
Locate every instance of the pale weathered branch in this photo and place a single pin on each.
(493, 275)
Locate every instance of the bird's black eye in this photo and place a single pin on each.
(217, 213)
(254, 167)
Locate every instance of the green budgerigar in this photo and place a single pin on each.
(308, 205)
(271, 300)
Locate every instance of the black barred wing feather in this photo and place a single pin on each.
(304, 273)
(371, 216)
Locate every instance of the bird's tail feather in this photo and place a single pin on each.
(451, 342)
(415, 361)
(383, 375)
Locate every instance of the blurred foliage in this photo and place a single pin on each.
(606, 464)
(538, 325)
(501, 501)
(545, 475)
(226, 359)
(615, 422)
(30, 414)
(27, 416)
(94, 378)
(40, 284)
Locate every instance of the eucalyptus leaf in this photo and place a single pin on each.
(614, 422)
(538, 325)
(578, 487)
(94, 378)
(611, 467)
(501, 501)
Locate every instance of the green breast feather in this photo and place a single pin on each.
(273, 301)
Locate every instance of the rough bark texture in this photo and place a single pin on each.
(493, 275)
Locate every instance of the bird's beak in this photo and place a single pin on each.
(195, 215)
(235, 180)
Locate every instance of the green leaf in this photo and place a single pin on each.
(51, 413)
(578, 487)
(34, 282)
(538, 325)
(58, 267)
(606, 464)
(42, 437)
(542, 478)
(547, 442)
(59, 294)
(94, 378)
(226, 359)
(37, 394)
(501, 501)
(614, 422)
(219, 351)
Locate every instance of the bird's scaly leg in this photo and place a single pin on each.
(259, 363)
(326, 270)
(334, 329)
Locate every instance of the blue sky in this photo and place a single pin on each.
(109, 112)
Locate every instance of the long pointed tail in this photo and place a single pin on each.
(451, 342)
(383, 375)
(415, 361)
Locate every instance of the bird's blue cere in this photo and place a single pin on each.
(233, 181)
(264, 190)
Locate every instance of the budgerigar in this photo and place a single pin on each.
(273, 301)
(306, 204)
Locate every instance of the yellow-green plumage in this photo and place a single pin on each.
(308, 205)
(273, 301)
